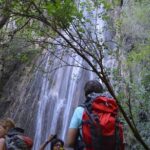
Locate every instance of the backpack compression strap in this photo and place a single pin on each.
(95, 129)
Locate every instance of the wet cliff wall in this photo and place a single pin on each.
(19, 96)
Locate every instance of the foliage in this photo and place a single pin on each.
(62, 12)
(136, 18)
(18, 50)
(133, 67)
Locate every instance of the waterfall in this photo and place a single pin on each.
(60, 94)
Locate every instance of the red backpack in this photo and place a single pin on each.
(101, 129)
(16, 140)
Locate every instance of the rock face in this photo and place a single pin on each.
(20, 98)
(6, 69)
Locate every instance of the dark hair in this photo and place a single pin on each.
(56, 141)
(93, 86)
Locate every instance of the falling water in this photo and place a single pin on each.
(58, 97)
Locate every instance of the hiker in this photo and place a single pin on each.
(88, 126)
(56, 144)
(5, 125)
(14, 137)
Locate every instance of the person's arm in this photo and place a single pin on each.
(74, 127)
(2, 144)
(42, 147)
(72, 136)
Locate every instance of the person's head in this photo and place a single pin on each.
(57, 144)
(93, 86)
(8, 124)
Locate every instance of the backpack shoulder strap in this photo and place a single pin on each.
(95, 129)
